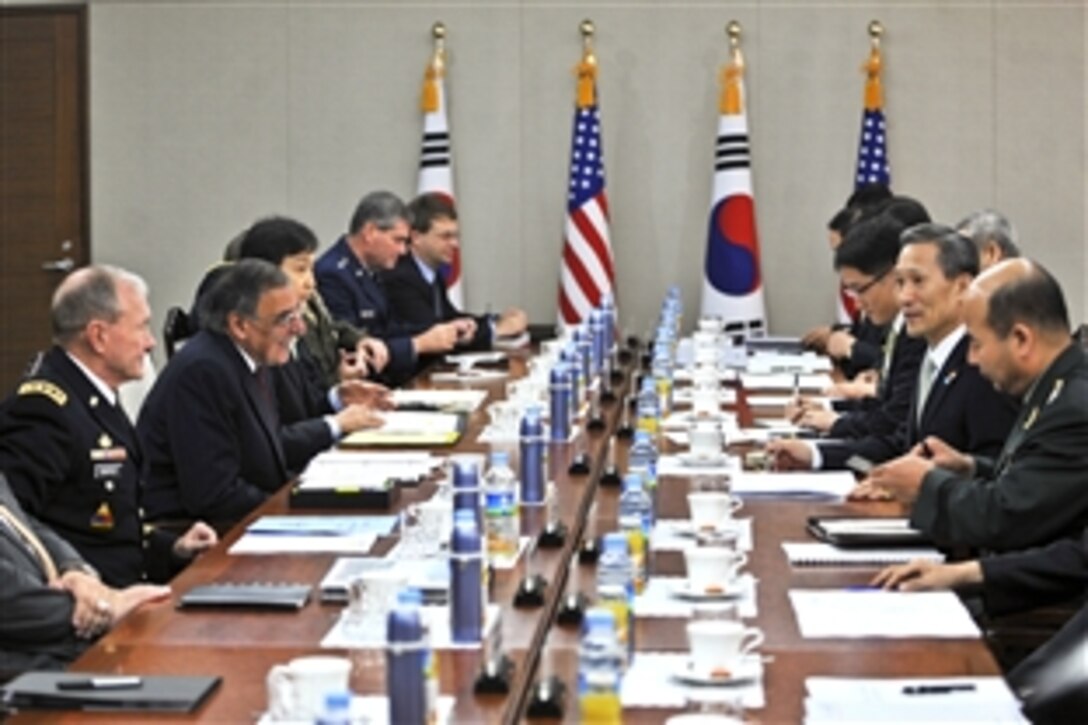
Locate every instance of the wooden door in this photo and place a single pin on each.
(43, 162)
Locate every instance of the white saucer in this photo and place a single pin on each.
(688, 530)
(744, 670)
(682, 590)
(703, 460)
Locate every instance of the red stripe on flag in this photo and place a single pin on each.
(581, 276)
(570, 315)
(593, 237)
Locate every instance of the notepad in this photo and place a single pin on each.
(821, 554)
(873, 613)
(250, 595)
(449, 401)
(795, 484)
(873, 700)
(158, 693)
(409, 428)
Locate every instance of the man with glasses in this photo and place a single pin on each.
(209, 427)
(69, 450)
(348, 280)
(417, 290)
(866, 262)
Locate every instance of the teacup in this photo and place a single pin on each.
(713, 569)
(297, 690)
(705, 439)
(711, 510)
(370, 597)
(717, 645)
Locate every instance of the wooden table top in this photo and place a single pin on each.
(242, 646)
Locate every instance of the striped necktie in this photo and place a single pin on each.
(32, 542)
(925, 383)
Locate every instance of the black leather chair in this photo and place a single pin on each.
(175, 330)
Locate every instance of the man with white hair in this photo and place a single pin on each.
(70, 452)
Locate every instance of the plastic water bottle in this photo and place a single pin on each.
(531, 457)
(647, 407)
(501, 510)
(600, 669)
(404, 666)
(559, 394)
(661, 370)
(642, 458)
(596, 338)
(467, 596)
(583, 343)
(576, 370)
(615, 591)
(608, 316)
(634, 522)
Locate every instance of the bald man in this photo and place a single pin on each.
(1036, 490)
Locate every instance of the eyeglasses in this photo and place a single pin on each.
(285, 319)
(859, 291)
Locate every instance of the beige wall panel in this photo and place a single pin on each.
(206, 115)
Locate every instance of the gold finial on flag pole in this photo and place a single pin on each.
(876, 30)
(730, 101)
(874, 93)
(587, 68)
(435, 69)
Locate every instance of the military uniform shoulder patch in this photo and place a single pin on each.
(46, 388)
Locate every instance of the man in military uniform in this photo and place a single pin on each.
(1037, 489)
(68, 449)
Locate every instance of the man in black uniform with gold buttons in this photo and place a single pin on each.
(69, 451)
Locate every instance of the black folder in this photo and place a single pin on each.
(154, 693)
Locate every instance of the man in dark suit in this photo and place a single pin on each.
(312, 416)
(209, 427)
(866, 264)
(952, 401)
(1053, 680)
(51, 602)
(1036, 490)
(68, 448)
(417, 289)
(349, 282)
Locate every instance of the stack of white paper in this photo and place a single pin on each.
(810, 553)
(782, 362)
(785, 381)
(914, 700)
(451, 401)
(341, 469)
(794, 484)
(869, 613)
(312, 534)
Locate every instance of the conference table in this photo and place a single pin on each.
(241, 646)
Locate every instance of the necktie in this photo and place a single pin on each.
(436, 290)
(925, 382)
(268, 396)
(32, 542)
(886, 363)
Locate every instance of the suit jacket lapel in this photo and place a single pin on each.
(944, 380)
(255, 396)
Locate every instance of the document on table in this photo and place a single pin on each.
(409, 428)
(352, 469)
(794, 484)
(449, 401)
(781, 362)
(785, 381)
(810, 553)
(872, 613)
(928, 699)
(312, 534)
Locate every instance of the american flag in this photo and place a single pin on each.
(436, 159)
(872, 144)
(586, 272)
(872, 167)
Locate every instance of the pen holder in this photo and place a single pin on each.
(589, 551)
(531, 592)
(553, 536)
(579, 465)
(610, 477)
(572, 609)
(494, 676)
(547, 699)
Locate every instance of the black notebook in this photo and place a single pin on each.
(159, 693)
(259, 595)
(858, 531)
